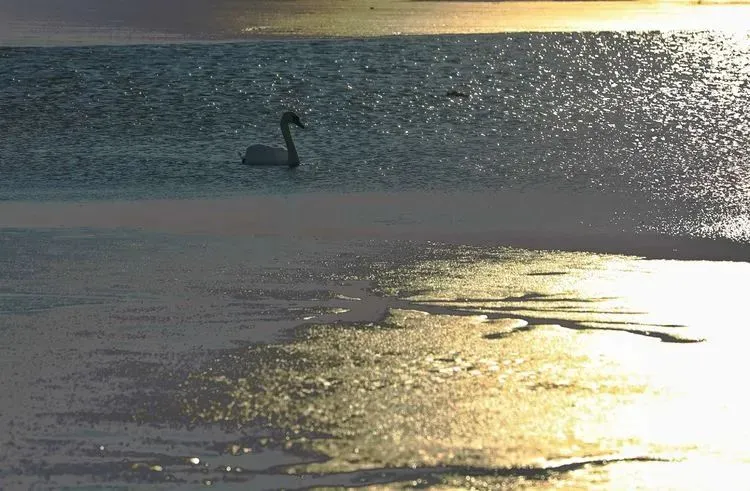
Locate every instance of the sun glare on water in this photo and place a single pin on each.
(603, 370)
(360, 18)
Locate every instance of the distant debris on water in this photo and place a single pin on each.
(455, 93)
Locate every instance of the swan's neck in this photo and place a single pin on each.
(292, 158)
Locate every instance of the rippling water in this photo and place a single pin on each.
(157, 341)
(661, 117)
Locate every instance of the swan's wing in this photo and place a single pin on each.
(265, 155)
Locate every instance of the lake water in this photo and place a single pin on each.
(506, 260)
(657, 119)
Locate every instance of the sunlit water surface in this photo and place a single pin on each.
(43, 22)
(659, 118)
(361, 320)
(142, 358)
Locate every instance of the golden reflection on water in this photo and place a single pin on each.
(364, 18)
(692, 405)
(238, 19)
(512, 360)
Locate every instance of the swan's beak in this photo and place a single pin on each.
(299, 123)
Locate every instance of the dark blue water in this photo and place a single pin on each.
(659, 116)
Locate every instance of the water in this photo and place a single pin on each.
(658, 117)
(435, 297)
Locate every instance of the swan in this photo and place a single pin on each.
(265, 155)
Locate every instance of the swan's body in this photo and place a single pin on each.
(265, 155)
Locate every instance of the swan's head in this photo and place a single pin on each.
(290, 117)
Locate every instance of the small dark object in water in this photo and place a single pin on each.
(455, 93)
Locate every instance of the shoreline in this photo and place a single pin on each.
(232, 21)
(333, 38)
(535, 220)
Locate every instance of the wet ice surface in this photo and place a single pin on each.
(137, 358)
(99, 325)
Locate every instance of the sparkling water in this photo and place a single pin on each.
(658, 118)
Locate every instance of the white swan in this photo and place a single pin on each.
(265, 155)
